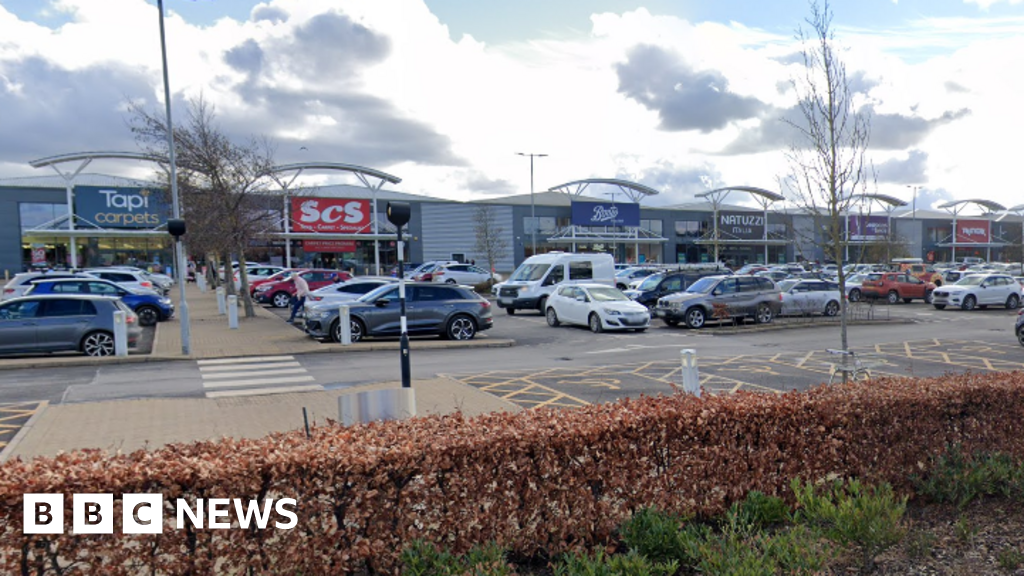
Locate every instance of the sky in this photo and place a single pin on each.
(678, 95)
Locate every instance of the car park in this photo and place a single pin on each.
(896, 286)
(917, 268)
(65, 322)
(720, 298)
(979, 291)
(148, 306)
(664, 283)
(162, 282)
(279, 293)
(538, 276)
(452, 311)
(809, 297)
(126, 278)
(598, 306)
(19, 284)
(467, 274)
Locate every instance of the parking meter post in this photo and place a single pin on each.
(233, 312)
(221, 303)
(691, 376)
(345, 324)
(120, 333)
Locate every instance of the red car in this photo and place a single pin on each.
(278, 292)
(282, 275)
(896, 286)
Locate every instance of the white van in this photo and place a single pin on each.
(536, 278)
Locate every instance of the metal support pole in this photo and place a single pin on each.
(952, 240)
(72, 241)
(186, 344)
(403, 344)
(287, 232)
(766, 234)
(376, 243)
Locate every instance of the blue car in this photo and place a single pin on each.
(148, 305)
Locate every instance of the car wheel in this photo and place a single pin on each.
(595, 324)
(98, 344)
(552, 318)
(765, 314)
(281, 300)
(695, 318)
(940, 306)
(355, 327)
(148, 315)
(969, 303)
(832, 308)
(893, 297)
(928, 297)
(855, 295)
(542, 304)
(1012, 301)
(510, 311)
(461, 327)
(450, 281)
(672, 323)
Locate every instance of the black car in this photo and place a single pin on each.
(1020, 327)
(665, 283)
(455, 312)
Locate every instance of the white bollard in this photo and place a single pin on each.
(221, 304)
(691, 376)
(345, 323)
(233, 312)
(374, 405)
(201, 282)
(120, 333)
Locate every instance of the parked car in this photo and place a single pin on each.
(664, 283)
(277, 277)
(809, 297)
(18, 285)
(979, 290)
(896, 286)
(425, 273)
(773, 275)
(254, 273)
(598, 306)
(915, 267)
(750, 269)
(455, 312)
(347, 290)
(953, 276)
(624, 277)
(407, 267)
(1019, 327)
(162, 281)
(149, 307)
(54, 323)
(467, 274)
(853, 286)
(126, 279)
(279, 293)
(718, 297)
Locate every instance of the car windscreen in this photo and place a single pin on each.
(607, 294)
(974, 280)
(703, 286)
(529, 272)
(650, 283)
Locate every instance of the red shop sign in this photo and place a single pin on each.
(330, 215)
(329, 245)
(972, 231)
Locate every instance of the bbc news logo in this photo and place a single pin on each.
(143, 513)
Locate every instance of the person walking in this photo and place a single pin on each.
(301, 292)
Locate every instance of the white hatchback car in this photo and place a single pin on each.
(466, 274)
(979, 290)
(598, 306)
(809, 297)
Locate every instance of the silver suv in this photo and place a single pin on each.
(721, 298)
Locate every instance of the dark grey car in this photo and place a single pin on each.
(721, 297)
(54, 323)
(455, 312)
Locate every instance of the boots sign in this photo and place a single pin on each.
(338, 215)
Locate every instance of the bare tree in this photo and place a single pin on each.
(490, 237)
(826, 162)
(222, 184)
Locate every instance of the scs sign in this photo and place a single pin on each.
(330, 215)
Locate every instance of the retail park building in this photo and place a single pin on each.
(118, 221)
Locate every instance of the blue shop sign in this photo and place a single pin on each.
(605, 214)
(111, 207)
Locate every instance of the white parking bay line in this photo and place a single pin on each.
(244, 360)
(262, 391)
(253, 366)
(249, 373)
(257, 382)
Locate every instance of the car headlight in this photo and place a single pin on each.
(165, 301)
(318, 313)
(262, 288)
(612, 312)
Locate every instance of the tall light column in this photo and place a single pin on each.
(179, 264)
(533, 207)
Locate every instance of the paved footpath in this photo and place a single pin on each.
(125, 425)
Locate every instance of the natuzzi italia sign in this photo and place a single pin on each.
(109, 207)
(741, 225)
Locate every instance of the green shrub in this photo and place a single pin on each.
(654, 534)
(964, 530)
(424, 559)
(851, 513)
(1009, 558)
(919, 544)
(601, 564)
(958, 478)
(760, 511)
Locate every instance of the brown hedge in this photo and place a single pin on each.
(536, 482)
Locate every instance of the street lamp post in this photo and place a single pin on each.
(533, 208)
(179, 265)
(913, 212)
